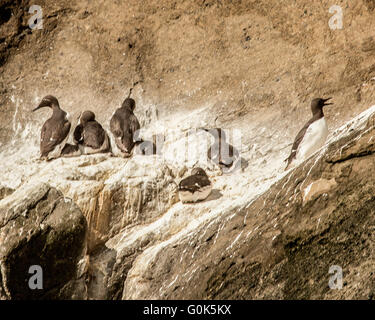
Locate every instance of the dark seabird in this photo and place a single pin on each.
(55, 130)
(125, 127)
(221, 152)
(90, 136)
(70, 150)
(312, 136)
(196, 187)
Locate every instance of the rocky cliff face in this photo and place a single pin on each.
(282, 244)
(250, 67)
(40, 227)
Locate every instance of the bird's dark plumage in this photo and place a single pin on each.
(196, 187)
(55, 130)
(91, 135)
(297, 142)
(221, 152)
(125, 127)
(70, 150)
(196, 181)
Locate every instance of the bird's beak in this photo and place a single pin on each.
(326, 104)
(41, 105)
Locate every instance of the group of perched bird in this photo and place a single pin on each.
(89, 137)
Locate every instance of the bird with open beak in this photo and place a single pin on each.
(312, 136)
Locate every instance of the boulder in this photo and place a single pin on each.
(40, 227)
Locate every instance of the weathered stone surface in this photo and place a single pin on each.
(39, 226)
(280, 246)
(247, 65)
(4, 192)
(316, 188)
(112, 193)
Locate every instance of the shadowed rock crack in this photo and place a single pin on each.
(362, 154)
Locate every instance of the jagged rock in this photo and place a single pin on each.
(5, 191)
(230, 246)
(39, 226)
(283, 244)
(112, 193)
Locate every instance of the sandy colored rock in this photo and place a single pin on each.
(251, 66)
(316, 188)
